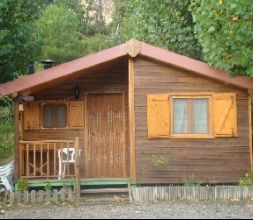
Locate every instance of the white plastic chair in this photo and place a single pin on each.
(64, 159)
(6, 173)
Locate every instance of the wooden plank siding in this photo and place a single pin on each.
(220, 160)
(112, 79)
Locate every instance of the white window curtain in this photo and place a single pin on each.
(200, 116)
(61, 116)
(47, 116)
(180, 116)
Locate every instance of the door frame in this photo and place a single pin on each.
(125, 147)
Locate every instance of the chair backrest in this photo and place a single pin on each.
(64, 152)
(7, 170)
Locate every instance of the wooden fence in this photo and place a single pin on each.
(140, 194)
(173, 193)
(40, 197)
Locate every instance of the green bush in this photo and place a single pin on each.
(48, 187)
(160, 160)
(191, 181)
(22, 185)
(247, 180)
(6, 130)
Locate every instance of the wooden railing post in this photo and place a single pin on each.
(48, 161)
(78, 187)
(21, 168)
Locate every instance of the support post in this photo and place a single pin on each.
(77, 174)
(250, 131)
(18, 128)
(132, 120)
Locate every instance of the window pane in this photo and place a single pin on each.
(200, 116)
(180, 116)
(47, 116)
(61, 116)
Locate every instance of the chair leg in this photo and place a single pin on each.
(64, 170)
(60, 171)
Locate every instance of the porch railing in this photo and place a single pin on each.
(49, 159)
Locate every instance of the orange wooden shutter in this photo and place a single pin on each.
(76, 114)
(225, 115)
(31, 115)
(158, 111)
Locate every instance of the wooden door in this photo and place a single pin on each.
(105, 136)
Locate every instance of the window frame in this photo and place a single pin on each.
(210, 133)
(54, 104)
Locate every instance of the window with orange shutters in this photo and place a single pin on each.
(191, 115)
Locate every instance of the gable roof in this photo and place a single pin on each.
(132, 48)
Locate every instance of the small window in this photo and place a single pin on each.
(54, 115)
(190, 116)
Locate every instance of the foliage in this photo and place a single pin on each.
(166, 24)
(62, 40)
(191, 181)
(6, 102)
(225, 31)
(247, 180)
(67, 185)
(48, 187)
(19, 45)
(97, 42)
(120, 26)
(160, 160)
(22, 185)
(96, 13)
(6, 129)
(75, 6)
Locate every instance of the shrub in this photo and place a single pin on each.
(22, 185)
(160, 160)
(191, 181)
(6, 131)
(48, 187)
(247, 180)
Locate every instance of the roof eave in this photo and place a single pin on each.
(198, 67)
(63, 70)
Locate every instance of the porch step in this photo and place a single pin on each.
(105, 200)
(105, 190)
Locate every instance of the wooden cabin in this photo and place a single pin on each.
(133, 113)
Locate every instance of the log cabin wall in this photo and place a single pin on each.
(219, 160)
(110, 79)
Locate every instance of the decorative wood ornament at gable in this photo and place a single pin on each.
(133, 48)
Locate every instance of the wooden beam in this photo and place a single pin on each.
(133, 48)
(131, 121)
(250, 131)
(14, 95)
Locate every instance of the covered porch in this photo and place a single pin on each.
(60, 163)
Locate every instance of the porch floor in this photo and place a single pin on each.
(83, 182)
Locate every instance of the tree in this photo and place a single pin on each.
(19, 45)
(60, 31)
(97, 14)
(119, 22)
(75, 6)
(225, 31)
(166, 24)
